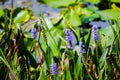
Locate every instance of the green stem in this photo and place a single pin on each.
(11, 20)
(53, 40)
(86, 68)
(68, 23)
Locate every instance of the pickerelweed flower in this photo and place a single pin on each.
(34, 33)
(68, 34)
(82, 47)
(54, 68)
(95, 33)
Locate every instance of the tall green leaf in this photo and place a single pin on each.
(78, 67)
(3, 59)
(43, 72)
(92, 1)
(68, 75)
(1, 12)
(103, 58)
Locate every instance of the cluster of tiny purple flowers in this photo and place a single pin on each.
(95, 33)
(54, 68)
(69, 39)
(82, 47)
(34, 32)
(68, 34)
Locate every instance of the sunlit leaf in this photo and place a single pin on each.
(109, 14)
(1, 12)
(68, 75)
(74, 18)
(43, 72)
(115, 7)
(92, 1)
(22, 16)
(59, 3)
(117, 1)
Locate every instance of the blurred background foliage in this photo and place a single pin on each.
(25, 58)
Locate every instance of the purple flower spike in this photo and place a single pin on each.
(54, 68)
(69, 38)
(34, 33)
(82, 47)
(68, 34)
(95, 33)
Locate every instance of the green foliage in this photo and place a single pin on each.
(117, 1)
(74, 18)
(103, 58)
(24, 57)
(92, 1)
(1, 12)
(79, 67)
(109, 14)
(107, 36)
(59, 3)
(23, 15)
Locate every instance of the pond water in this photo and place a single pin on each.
(47, 11)
(33, 5)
